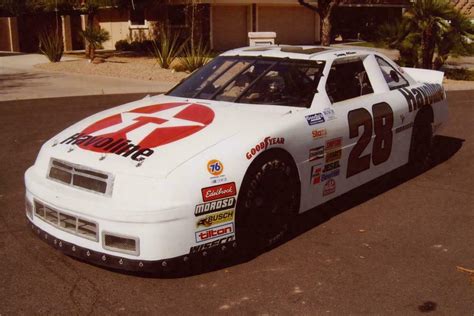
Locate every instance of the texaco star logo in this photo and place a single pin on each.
(138, 131)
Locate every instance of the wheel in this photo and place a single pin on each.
(267, 203)
(421, 144)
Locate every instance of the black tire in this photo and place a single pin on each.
(267, 203)
(421, 144)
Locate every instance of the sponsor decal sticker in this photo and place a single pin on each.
(314, 119)
(329, 187)
(331, 166)
(333, 156)
(214, 206)
(334, 144)
(218, 192)
(315, 175)
(215, 232)
(329, 114)
(330, 174)
(319, 133)
(212, 244)
(263, 145)
(215, 167)
(135, 133)
(403, 127)
(423, 95)
(316, 153)
(217, 218)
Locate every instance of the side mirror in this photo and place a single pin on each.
(394, 76)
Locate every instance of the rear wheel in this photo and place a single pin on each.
(267, 203)
(421, 144)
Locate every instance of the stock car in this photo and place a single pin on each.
(230, 156)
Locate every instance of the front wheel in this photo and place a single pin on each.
(267, 203)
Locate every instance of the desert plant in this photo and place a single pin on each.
(195, 56)
(122, 45)
(95, 37)
(51, 45)
(168, 48)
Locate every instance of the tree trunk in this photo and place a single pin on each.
(427, 48)
(90, 25)
(326, 30)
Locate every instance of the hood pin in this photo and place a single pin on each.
(102, 157)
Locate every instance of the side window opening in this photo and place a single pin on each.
(347, 79)
(393, 78)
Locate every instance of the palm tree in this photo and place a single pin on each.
(428, 28)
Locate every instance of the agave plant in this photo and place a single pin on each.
(94, 37)
(51, 45)
(195, 56)
(168, 48)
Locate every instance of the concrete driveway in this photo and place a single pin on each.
(19, 80)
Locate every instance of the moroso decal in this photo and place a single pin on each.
(217, 218)
(212, 244)
(218, 192)
(268, 141)
(214, 232)
(314, 119)
(315, 175)
(214, 206)
(134, 133)
(425, 94)
(215, 167)
(329, 187)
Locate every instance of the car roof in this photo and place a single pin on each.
(298, 52)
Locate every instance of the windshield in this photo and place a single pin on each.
(254, 80)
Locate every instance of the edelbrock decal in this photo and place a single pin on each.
(134, 133)
(218, 192)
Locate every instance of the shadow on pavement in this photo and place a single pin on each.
(444, 148)
(12, 81)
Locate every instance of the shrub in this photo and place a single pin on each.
(51, 45)
(459, 74)
(195, 56)
(95, 37)
(122, 45)
(167, 49)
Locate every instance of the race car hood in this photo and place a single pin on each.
(153, 136)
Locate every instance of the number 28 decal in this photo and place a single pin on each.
(382, 128)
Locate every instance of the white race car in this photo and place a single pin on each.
(230, 156)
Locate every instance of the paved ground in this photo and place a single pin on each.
(391, 247)
(19, 81)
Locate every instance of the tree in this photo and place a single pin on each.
(429, 32)
(324, 9)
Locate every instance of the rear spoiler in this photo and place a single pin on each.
(425, 75)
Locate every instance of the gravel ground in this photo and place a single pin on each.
(142, 68)
(146, 68)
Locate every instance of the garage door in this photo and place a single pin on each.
(293, 25)
(229, 27)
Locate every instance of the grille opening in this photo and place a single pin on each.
(28, 208)
(90, 184)
(86, 228)
(120, 244)
(65, 222)
(51, 216)
(61, 175)
(39, 209)
(80, 177)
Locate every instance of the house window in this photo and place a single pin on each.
(137, 17)
(177, 16)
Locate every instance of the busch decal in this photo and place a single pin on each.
(268, 141)
(217, 218)
(218, 192)
(134, 133)
(215, 232)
